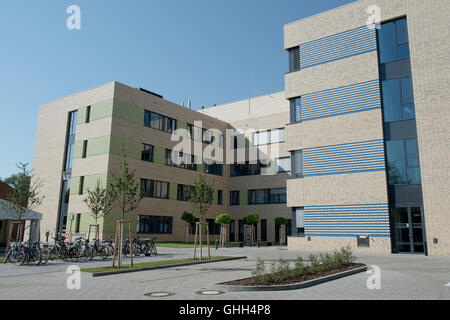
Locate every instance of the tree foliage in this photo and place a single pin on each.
(223, 219)
(251, 219)
(201, 195)
(125, 190)
(99, 201)
(25, 195)
(280, 221)
(188, 217)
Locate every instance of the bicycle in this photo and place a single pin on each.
(28, 252)
(60, 249)
(12, 252)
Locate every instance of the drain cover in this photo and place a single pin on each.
(159, 294)
(210, 292)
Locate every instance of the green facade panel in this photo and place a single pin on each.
(98, 146)
(159, 155)
(133, 149)
(173, 191)
(128, 112)
(243, 194)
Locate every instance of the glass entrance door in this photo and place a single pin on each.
(409, 230)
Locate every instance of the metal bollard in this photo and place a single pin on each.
(217, 244)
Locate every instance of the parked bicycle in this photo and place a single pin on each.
(29, 252)
(61, 250)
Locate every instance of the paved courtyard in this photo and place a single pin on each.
(402, 277)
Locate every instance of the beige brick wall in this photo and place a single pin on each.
(428, 27)
(349, 128)
(328, 244)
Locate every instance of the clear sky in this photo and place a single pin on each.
(207, 51)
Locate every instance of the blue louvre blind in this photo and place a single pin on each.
(346, 158)
(333, 102)
(347, 220)
(338, 46)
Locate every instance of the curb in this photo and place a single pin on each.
(110, 273)
(293, 286)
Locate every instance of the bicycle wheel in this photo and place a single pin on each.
(21, 258)
(153, 250)
(36, 255)
(45, 255)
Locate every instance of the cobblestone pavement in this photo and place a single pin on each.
(402, 277)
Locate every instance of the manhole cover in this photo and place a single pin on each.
(210, 292)
(159, 294)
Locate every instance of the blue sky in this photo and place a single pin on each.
(207, 51)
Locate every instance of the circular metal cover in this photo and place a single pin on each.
(159, 294)
(210, 292)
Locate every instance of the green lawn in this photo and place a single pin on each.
(2, 259)
(143, 265)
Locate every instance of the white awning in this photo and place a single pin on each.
(29, 215)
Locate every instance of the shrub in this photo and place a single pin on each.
(259, 271)
(283, 269)
(327, 261)
(347, 255)
(300, 267)
(314, 262)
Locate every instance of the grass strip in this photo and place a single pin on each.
(151, 264)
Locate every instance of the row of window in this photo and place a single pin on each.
(159, 122)
(164, 225)
(263, 196)
(249, 169)
(266, 137)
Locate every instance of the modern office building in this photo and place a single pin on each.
(358, 144)
(369, 130)
(81, 139)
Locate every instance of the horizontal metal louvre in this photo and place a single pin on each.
(347, 220)
(353, 98)
(338, 46)
(347, 158)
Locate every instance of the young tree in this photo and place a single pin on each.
(99, 202)
(189, 219)
(223, 220)
(252, 220)
(201, 196)
(24, 197)
(280, 221)
(125, 191)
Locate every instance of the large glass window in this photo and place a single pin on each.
(182, 192)
(265, 137)
(155, 225)
(159, 122)
(393, 41)
(297, 164)
(215, 169)
(403, 162)
(398, 99)
(267, 196)
(154, 189)
(185, 161)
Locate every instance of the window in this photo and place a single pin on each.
(267, 196)
(77, 223)
(219, 197)
(81, 187)
(278, 195)
(283, 164)
(88, 114)
(294, 59)
(393, 41)
(263, 230)
(234, 198)
(84, 153)
(214, 228)
(154, 189)
(297, 164)
(190, 129)
(403, 162)
(147, 153)
(186, 161)
(398, 99)
(261, 138)
(182, 194)
(247, 169)
(155, 225)
(159, 122)
(215, 168)
(296, 108)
